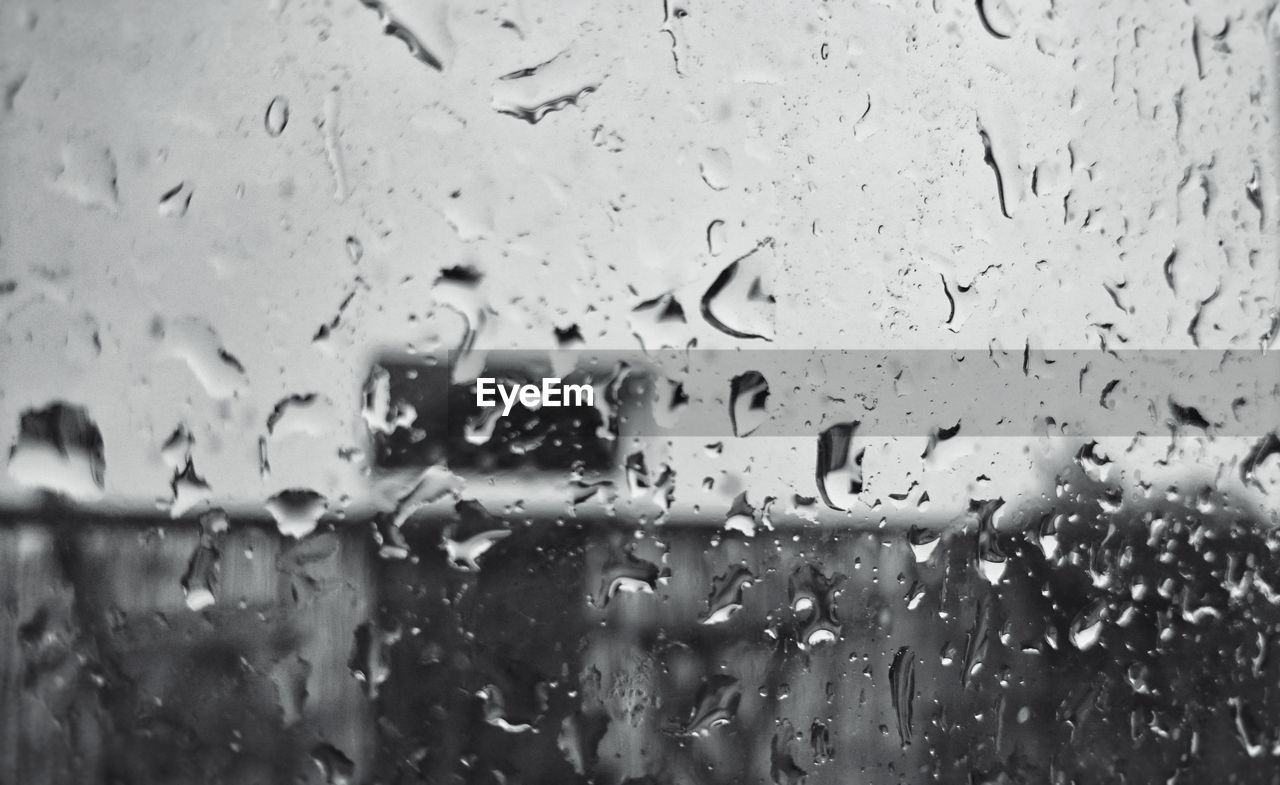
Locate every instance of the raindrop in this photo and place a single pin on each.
(839, 467)
(1187, 416)
(9, 92)
(716, 168)
(989, 157)
(328, 125)
(368, 660)
(748, 393)
(629, 574)
(1086, 628)
(175, 202)
(304, 413)
(59, 449)
(976, 643)
(923, 542)
(813, 597)
(297, 511)
(642, 485)
(737, 303)
(716, 704)
(716, 237)
(495, 710)
(991, 559)
(423, 29)
(377, 410)
(88, 175)
(465, 554)
(355, 249)
(530, 94)
(176, 450)
(824, 750)
(1258, 454)
(277, 116)
(195, 343)
(387, 536)
(726, 595)
(783, 769)
(335, 767)
(902, 685)
(997, 18)
(568, 337)
(189, 490)
(199, 582)
(744, 518)
(1253, 190)
(660, 323)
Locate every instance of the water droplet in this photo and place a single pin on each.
(494, 710)
(431, 485)
(176, 450)
(1047, 537)
(630, 574)
(726, 595)
(824, 749)
(923, 542)
(716, 168)
(839, 466)
(424, 29)
(277, 116)
(530, 94)
(902, 685)
(997, 18)
(12, 85)
(289, 675)
(88, 175)
(368, 660)
(643, 486)
(1253, 191)
(335, 767)
(175, 202)
(200, 581)
(355, 249)
(389, 539)
(659, 323)
(377, 411)
(915, 596)
(309, 414)
(1086, 628)
(59, 449)
(716, 705)
(189, 490)
(989, 158)
(738, 302)
(332, 145)
(783, 769)
(813, 597)
(297, 511)
(748, 394)
(1258, 454)
(716, 237)
(465, 554)
(744, 518)
(195, 343)
(991, 558)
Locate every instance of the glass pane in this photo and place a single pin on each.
(401, 391)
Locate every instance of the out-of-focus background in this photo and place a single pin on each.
(236, 237)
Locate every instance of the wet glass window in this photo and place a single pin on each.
(830, 391)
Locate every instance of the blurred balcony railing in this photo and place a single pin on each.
(1082, 645)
